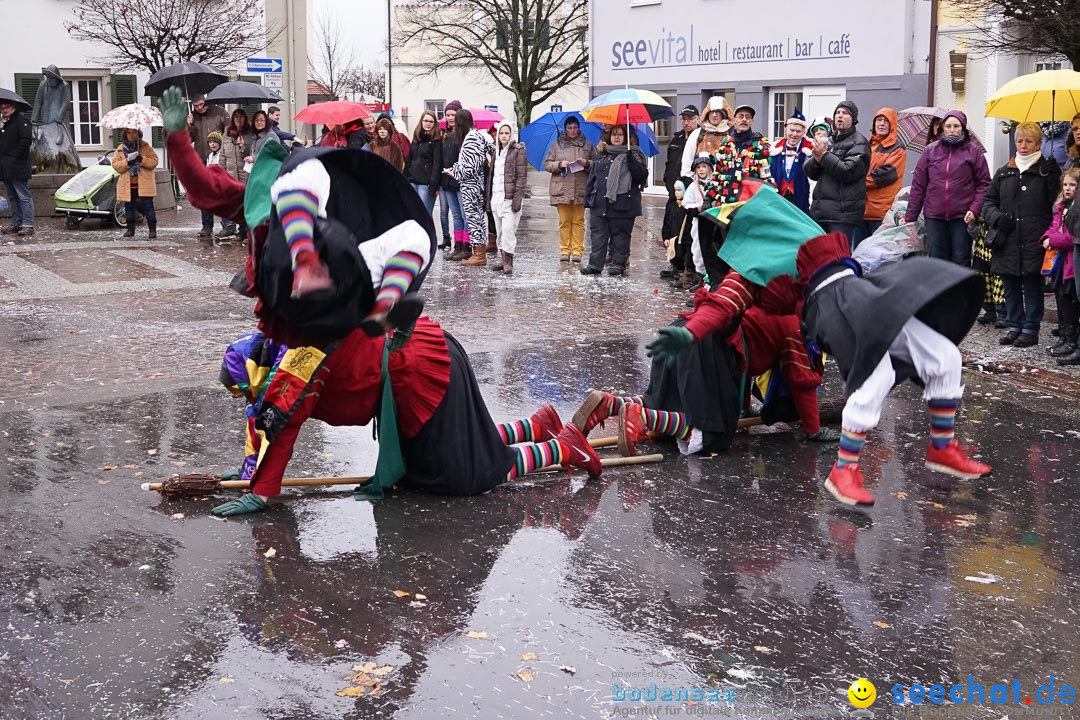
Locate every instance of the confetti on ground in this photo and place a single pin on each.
(270, 553)
(529, 656)
(476, 635)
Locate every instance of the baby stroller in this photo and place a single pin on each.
(91, 193)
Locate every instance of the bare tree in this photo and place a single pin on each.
(333, 64)
(532, 48)
(369, 81)
(153, 35)
(1023, 27)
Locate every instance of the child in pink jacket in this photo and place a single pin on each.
(1059, 238)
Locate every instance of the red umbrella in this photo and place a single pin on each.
(333, 112)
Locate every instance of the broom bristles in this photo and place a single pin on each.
(189, 485)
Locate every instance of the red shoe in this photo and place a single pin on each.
(951, 460)
(594, 411)
(309, 277)
(631, 429)
(577, 453)
(549, 421)
(847, 485)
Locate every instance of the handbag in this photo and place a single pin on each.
(1052, 260)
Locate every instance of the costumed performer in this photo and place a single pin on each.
(337, 238)
(788, 156)
(901, 321)
(434, 429)
(702, 362)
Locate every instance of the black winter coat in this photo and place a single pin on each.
(424, 164)
(15, 139)
(1020, 206)
(450, 152)
(673, 165)
(626, 205)
(840, 195)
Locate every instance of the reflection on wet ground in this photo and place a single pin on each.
(731, 572)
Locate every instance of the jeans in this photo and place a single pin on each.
(949, 240)
(21, 202)
(144, 205)
(864, 230)
(613, 232)
(1024, 302)
(427, 196)
(450, 204)
(845, 228)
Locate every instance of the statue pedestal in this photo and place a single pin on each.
(43, 187)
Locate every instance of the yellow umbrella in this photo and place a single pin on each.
(1039, 97)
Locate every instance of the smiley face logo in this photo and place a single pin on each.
(862, 693)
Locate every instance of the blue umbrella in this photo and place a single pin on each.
(542, 132)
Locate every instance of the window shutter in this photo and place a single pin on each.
(124, 91)
(157, 137)
(26, 85)
(250, 108)
(545, 35)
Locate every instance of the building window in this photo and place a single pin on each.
(504, 30)
(1048, 65)
(86, 111)
(435, 106)
(784, 102)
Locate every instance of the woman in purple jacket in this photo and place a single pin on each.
(948, 187)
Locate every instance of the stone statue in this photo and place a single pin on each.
(53, 151)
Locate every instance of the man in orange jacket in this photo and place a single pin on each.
(888, 161)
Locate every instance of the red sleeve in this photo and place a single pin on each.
(209, 189)
(267, 480)
(802, 377)
(723, 309)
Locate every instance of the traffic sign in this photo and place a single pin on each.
(272, 80)
(556, 108)
(265, 65)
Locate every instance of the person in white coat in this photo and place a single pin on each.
(505, 193)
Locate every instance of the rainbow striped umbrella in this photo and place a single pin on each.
(625, 106)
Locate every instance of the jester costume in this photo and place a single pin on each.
(747, 326)
(435, 433)
(901, 321)
(787, 166)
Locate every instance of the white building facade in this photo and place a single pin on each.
(774, 57)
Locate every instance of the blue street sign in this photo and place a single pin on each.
(556, 108)
(265, 65)
(492, 108)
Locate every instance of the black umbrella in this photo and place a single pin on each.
(239, 91)
(191, 77)
(14, 99)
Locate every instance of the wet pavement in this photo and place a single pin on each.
(732, 575)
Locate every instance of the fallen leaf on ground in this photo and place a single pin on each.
(530, 656)
(384, 670)
(525, 675)
(900, 495)
(568, 669)
(355, 691)
(226, 679)
(880, 624)
(362, 679)
(270, 553)
(401, 593)
(365, 668)
(418, 596)
(377, 691)
(476, 635)
(108, 467)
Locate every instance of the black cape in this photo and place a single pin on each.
(368, 196)
(855, 319)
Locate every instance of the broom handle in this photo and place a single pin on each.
(318, 481)
(604, 442)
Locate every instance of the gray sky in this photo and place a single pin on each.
(363, 22)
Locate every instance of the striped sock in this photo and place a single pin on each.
(398, 275)
(532, 456)
(851, 444)
(519, 431)
(942, 421)
(297, 210)
(617, 401)
(667, 423)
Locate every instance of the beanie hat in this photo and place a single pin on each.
(454, 105)
(797, 118)
(702, 158)
(214, 137)
(851, 107)
(820, 124)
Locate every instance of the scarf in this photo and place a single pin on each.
(130, 147)
(953, 139)
(618, 177)
(1051, 130)
(1026, 162)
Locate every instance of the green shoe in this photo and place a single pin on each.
(246, 503)
(824, 434)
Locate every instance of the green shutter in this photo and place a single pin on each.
(124, 91)
(157, 137)
(250, 108)
(26, 85)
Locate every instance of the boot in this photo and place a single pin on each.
(130, 232)
(461, 251)
(577, 453)
(951, 460)
(549, 421)
(1066, 344)
(1073, 359)
(492, 246)
(479, 257)
(153, 232)
(848, 485)
(500, 263)
(508, 263)
(310, 275)
(631, 429)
